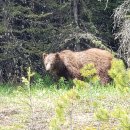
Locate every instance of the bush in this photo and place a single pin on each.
(120, 75)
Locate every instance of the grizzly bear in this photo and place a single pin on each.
(68, 63)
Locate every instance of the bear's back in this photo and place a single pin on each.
(100, 52)
(101, 58)
(86, 56)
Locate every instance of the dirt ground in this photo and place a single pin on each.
(17, 114)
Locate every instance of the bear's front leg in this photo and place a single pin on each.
(73, 72)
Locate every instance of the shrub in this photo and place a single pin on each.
(89, 73)
(120, 75)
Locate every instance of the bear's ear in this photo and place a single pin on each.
(57, 55)
(44, 55)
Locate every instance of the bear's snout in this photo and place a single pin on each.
(48, 67)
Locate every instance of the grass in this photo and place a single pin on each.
(15, 108)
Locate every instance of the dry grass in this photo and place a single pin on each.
(15, 111)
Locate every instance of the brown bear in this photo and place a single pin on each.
(68, 63)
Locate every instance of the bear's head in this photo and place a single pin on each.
(51, 61)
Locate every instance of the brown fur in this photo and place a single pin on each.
(68, 63)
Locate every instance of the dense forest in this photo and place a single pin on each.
(28, 28)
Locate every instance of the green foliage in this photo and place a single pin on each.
(18, 9)
(88, 70)
(7, 89)
(89, 73)
(119, 112)
(63, 104)
(38, 17)
(121, 78)
(123, 116)
(102, 114)
(62, 83)
(27, 80)
(80, 84)
(45, 81)
(110, 107)
(27, 91)
(116, 67)
(96, 104)
(125, 122)
(120, 75)
(2, 28)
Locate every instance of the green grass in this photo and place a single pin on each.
(15, 110)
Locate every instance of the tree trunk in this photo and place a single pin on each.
(75, 10)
